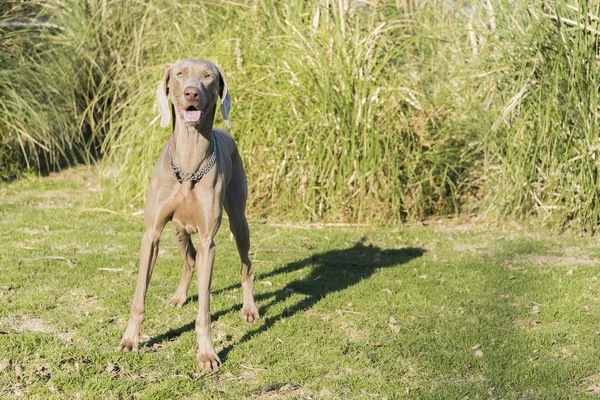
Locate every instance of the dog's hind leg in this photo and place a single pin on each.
(235, 206)
(184, 243)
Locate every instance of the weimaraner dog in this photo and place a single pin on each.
(198, 174)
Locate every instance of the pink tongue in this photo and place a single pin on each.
(192, 116)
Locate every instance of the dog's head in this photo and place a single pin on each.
(192, 87)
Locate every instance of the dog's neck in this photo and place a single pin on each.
(191, 145)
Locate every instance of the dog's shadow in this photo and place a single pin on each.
(330, 272)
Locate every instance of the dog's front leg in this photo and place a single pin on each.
(208, 360)
(148, 253)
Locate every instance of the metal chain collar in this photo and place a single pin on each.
(186, 176)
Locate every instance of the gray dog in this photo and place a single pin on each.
(199, 173)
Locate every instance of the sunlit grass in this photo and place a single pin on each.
(441, 311)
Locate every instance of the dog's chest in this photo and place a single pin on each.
(193, 208)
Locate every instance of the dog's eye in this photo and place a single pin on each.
(207, 76)
(180, 73)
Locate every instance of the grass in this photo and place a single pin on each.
(435, 310)
(549, 140)
(376, 113)
(380, 114)
(330, 120)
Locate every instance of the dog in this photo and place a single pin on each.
(199, 173)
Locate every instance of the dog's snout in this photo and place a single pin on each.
(191, 93)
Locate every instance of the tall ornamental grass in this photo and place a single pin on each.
(542, 154)
(344, 111)
(37, 118)
(337, 108)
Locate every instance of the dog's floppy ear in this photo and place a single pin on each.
(225, 98)
(162, 99)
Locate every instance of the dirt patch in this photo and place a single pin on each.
(558, 261)
(32, 324)
(26, 323)
(471, 249)
(457, 226)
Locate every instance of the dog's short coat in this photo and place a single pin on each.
(188, 94)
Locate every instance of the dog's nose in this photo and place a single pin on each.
(191, 93)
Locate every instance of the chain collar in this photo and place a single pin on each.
(186, 176)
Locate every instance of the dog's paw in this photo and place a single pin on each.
(209, 362)
(177, 301)
(128, 344)
(250, 314)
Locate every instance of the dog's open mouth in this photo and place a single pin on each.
(191, 114)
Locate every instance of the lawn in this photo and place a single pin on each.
(436, 310)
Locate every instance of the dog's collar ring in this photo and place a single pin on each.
(180, 176)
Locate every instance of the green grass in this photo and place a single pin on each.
(346, 312)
